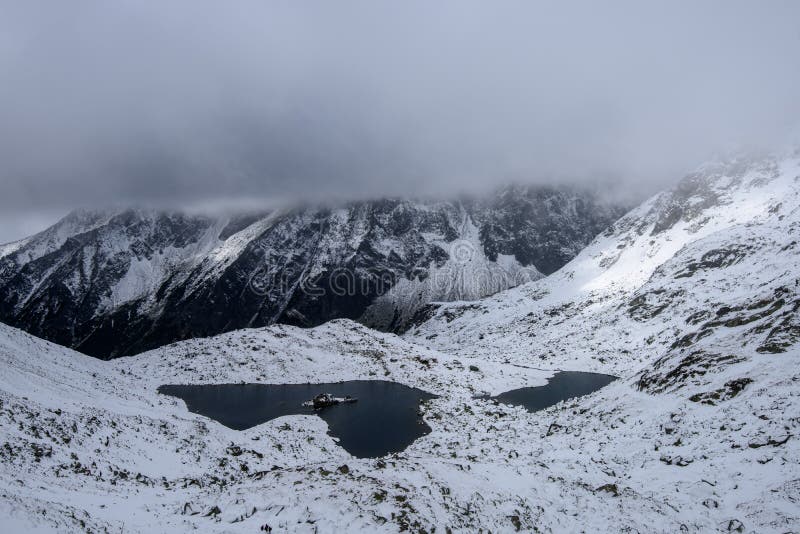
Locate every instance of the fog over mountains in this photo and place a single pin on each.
(425, 267)
(690, 299)
(112, 283)
(168, 104)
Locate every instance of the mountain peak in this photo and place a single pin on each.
(135, 278)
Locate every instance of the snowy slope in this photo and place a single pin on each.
(110, 451)
(90, 444)
(691, 299)
(694, 295)
(724, 233)
(117, 283)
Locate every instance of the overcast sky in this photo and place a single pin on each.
(182, 101)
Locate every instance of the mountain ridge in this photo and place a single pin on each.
(695, 309)
(170, 276)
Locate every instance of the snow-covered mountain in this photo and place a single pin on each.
(692, 299)
(116, 283)
(685, 262)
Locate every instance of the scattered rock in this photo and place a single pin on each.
(213, 512)
(770, 441)
(731, 389)
(609, 488)
(734, 525)
(553, 428)
(234, 450)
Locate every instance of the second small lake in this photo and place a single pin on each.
(562, 386)
(385, 418)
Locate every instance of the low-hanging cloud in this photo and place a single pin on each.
(186, 100)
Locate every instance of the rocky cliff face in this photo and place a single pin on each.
(116, 283)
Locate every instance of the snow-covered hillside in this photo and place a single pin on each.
(90, 445)
(117, 283)
(691, 299)
(725, 236)
(695, 296)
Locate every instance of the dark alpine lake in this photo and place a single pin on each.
(385, 418)
(562, 386)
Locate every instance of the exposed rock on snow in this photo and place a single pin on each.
(111, 284)
(691, 299)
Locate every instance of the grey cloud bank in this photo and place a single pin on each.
(185, 101)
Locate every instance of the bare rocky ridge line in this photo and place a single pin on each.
(112, 284)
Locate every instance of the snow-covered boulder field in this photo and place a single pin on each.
(691, 299)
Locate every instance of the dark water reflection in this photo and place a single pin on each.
(384, 420)
(562, 386)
